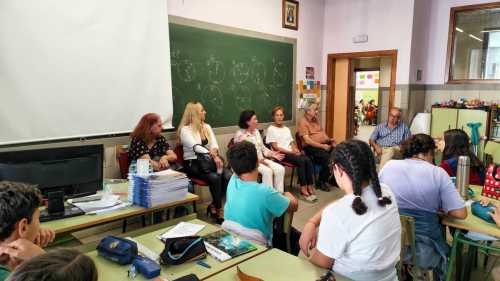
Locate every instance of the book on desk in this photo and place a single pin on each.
(224, 246)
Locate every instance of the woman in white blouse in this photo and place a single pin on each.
(196, 136)
(280, 138)
(273, 174)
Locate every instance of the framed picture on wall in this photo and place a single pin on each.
(290, 14)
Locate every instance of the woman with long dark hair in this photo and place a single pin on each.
(359, 235)
(456, 143)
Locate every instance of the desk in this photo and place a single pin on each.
(112, 271)
(473, 223)
(275, 265)
(85, 221)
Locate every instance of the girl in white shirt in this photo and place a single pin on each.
(359, 235)
(273, 174)
(196, 136)
(280, 138)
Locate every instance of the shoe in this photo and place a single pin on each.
(215, 214)
(323, 186)
(308, 198)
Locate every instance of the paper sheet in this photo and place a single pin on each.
(182, 229)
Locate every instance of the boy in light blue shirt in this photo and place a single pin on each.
(251, 204)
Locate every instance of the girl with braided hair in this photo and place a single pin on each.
(359, 235)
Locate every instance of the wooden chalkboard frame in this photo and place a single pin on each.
(253, 34)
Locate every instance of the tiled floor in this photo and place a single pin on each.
(364, 132)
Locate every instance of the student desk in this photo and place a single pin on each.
(473, 223)
(73, 224)
(275, 265)
(112, 271)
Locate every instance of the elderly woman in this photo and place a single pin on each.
(269, 169)
(148, 143)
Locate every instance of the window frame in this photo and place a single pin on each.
(451, 38)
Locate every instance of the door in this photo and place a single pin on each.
(341, 99)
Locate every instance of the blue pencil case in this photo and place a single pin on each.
(147, 267)
(482, 212)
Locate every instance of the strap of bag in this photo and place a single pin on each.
(179, 256)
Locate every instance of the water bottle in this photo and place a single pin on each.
(463, 170)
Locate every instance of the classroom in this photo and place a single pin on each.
(249, 140)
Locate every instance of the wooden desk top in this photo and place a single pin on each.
(112, 271)
(80, 222)
(275, 265)
(473, 223)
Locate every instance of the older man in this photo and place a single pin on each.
(388, 136)
(316, 143)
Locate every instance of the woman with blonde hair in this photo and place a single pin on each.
(197, 137)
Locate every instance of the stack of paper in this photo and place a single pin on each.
(182, 229)
(104, 203)
(159, 188)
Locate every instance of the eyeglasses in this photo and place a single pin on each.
(395, 116)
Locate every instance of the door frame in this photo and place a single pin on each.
(330, 84)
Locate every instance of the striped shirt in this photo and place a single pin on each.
(387, 137)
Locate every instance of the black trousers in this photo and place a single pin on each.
(320, 157)
(217, 183)
(304, 167)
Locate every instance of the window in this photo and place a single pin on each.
(474, 44)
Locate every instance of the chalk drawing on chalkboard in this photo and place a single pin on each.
(213, 95)
(186, 71)
(178, 98)
(216, 71)
(258, 71)
(279, 73)
(240, 72)
(242, 96)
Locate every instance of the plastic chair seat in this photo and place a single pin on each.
(288, 164)
(199, 182)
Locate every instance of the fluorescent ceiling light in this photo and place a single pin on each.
(474, 37)
(458, 29)
(491, 30)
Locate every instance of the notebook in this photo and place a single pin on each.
(224, 246)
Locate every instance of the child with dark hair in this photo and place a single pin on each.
(423, 190)
(359, 235)
(57, 265)
(251, 206)
(21, 237)
(456, 143)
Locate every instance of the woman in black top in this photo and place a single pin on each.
(148, 143)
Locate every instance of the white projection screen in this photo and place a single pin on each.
(80, 68)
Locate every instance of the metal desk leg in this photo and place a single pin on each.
(451, 261)
(194, 206)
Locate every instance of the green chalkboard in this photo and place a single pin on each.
(228, 73)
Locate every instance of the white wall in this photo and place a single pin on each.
(388, 24)
(436, 22)
(263, 16)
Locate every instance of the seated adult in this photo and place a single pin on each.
(57, 265)
(316, 143)
(423, 191)
(456, 143)
(388, 136)
(359, 235)
(148, 143)
(196, 136)
(280, 138)
(21, 237)
(251, 205)
(273, 174)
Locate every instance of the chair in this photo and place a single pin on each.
(284, 163)
(317, 168)
(179, 152)
(123, 162)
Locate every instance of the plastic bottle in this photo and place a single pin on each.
(132, 170)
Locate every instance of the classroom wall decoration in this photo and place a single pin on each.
(228, 73)
(290, 14)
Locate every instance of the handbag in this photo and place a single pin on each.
(183, 249)
(482, 212)
(205, 161)
(491, 186)
(117, 249)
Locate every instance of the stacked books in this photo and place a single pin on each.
(158, 188)
(224, 246)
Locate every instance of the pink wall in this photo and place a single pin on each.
(387, 23)
(436, 24)
(263, 16)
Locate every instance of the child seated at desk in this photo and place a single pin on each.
(57, 265)
(251, 206)
(21, 237)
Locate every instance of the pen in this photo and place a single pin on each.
(204, 264)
